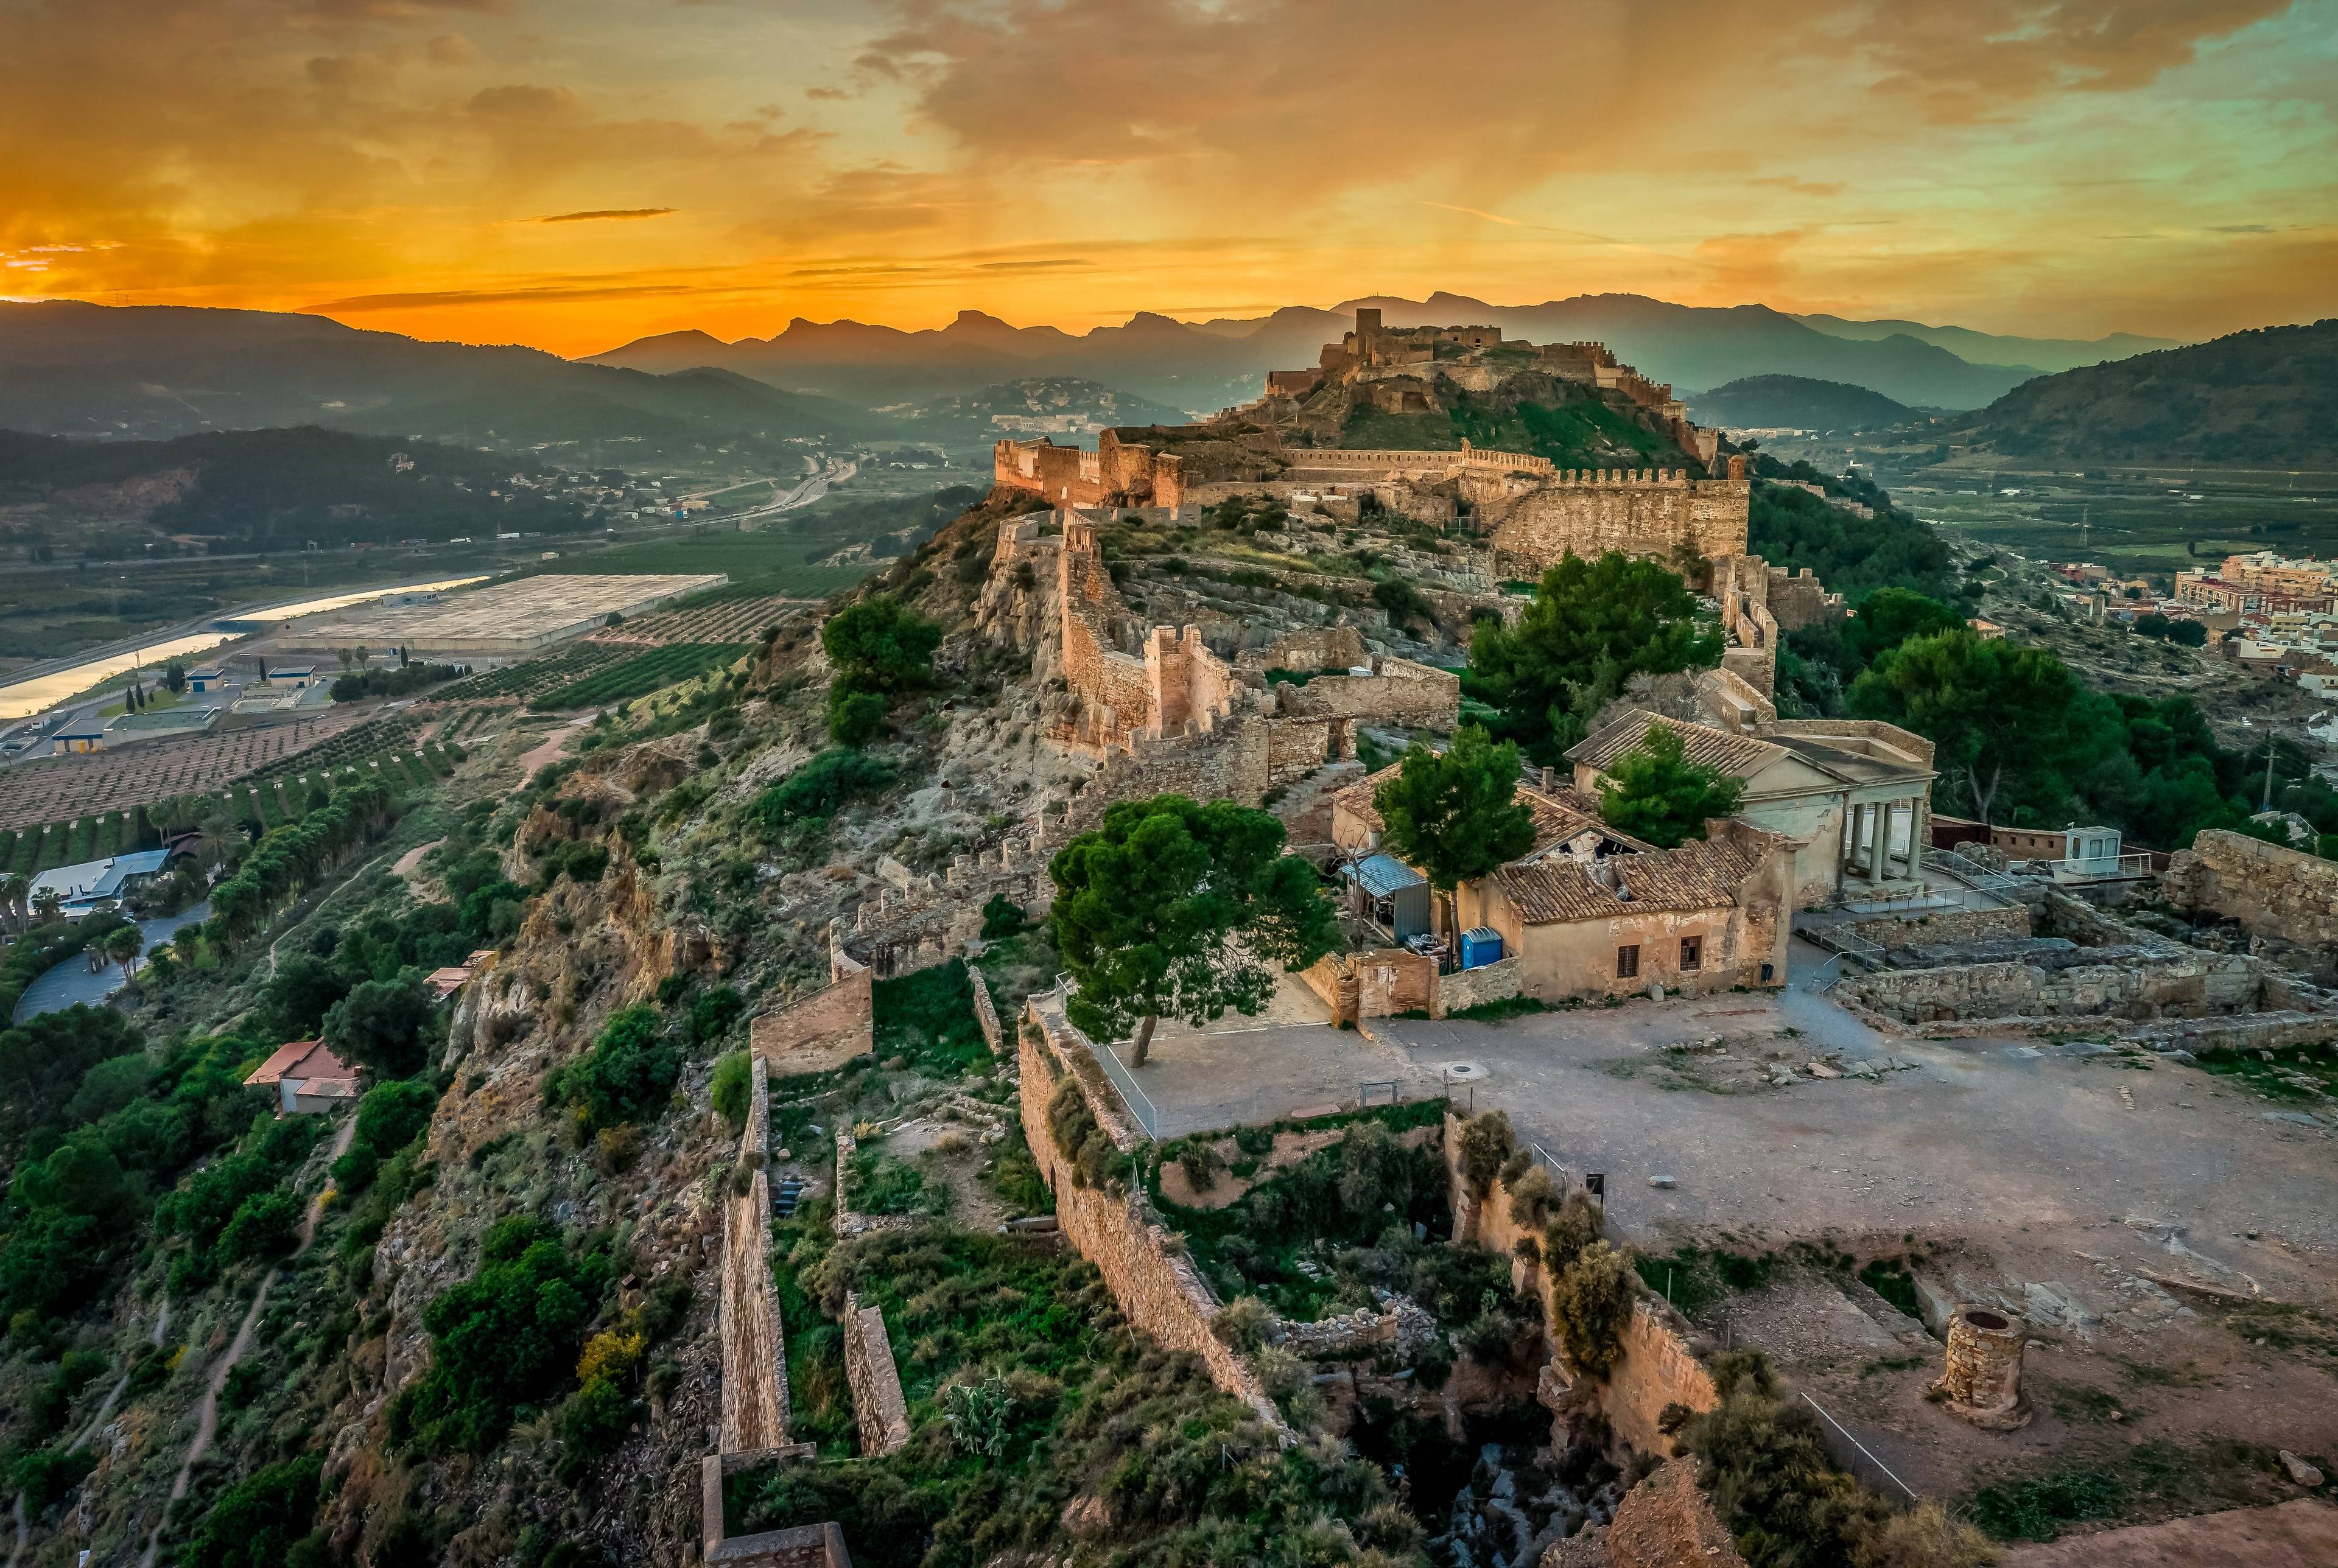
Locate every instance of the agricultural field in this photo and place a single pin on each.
(768, 561)
(534, 676)
(383, 733)
(268, 802)
(638, 676)
(60, 789)
(719, 617)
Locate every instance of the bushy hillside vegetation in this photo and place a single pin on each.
(2262, 397)
(1796, 402)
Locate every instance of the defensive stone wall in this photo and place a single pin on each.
(2272, 891)
(755, 1354)
(1646, 511)
(1397, 691)
(1656, 1368)
(1156, 1287)
(824, 1030)
(877, 1405)
(985, 1012)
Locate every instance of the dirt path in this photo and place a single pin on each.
(207, 1418)
(548, 752)
(413, 858)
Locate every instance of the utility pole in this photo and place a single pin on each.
(2267, 805)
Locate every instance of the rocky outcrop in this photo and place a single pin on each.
(1664, 1522)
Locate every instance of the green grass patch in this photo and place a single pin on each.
(2298, 1075)
(1696, 1278)
(1889, 1278)
(2038, 1508)
(882, 1184)
(927, 1018)
(81, 842)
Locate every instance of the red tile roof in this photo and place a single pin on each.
(299, 1059)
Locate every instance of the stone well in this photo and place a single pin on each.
(1982, 1381)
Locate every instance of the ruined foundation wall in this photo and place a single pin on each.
(1894, 931)
(2271, 890)
(1656, 1368)
(1160, 1290)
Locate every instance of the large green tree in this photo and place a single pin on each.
(1169, 907)
(1455, 815)
(1655, 792)
(1592, 626)
(2005, 721)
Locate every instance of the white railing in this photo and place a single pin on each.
(2102, 868)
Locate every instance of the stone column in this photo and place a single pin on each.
(1919, 834)
(1855, 834)
(1878, 841)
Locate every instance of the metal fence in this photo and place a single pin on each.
(1139, 1104)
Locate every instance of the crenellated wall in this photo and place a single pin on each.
(1643, 512)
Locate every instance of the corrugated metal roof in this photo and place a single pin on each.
(1738, 756)
(1383, 875)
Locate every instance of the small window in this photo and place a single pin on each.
(1692, 954)
(1627, 962)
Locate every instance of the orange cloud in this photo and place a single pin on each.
(1074, 160)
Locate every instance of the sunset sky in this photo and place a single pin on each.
(575, 174)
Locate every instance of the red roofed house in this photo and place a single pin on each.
(306, 1077)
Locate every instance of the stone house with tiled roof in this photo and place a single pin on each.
(1592, 912)
(1853, 795)
(1711, 914)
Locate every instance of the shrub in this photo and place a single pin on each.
(714, 1013)
(1001, 917)
(1486, 1142)
(854, 718)
(1532, 1196)
(734, 1087)
(1578, 1224)
(507, 1337)
(627, 1076)
(267, 1225)
(45, 1476)
(818, 789)
(1095, 1159)
(256, 1522)
(1241, 1321)
(616, 1148)
(1591, 1299)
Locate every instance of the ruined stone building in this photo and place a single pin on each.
(1162, 709)
(1851, 796)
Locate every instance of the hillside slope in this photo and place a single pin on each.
(2265, 397)
(161, 371)
(1795, 402)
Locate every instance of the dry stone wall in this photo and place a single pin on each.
(877, 1405)
(1894, 931)
(2272, 891)
(754, 1354)
(1156, 1287)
